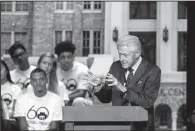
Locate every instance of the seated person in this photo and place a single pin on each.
(48, 62)
(21, 74)
(40, 109)
(71, 69)
(9, 91)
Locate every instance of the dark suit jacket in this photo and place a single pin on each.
(142, 91)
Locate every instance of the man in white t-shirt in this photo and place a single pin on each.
(21, 74)
(69, 69)
(41, 109)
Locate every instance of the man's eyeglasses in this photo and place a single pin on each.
(22, 53)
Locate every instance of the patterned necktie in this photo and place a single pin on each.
(129, 77)
(128, 81)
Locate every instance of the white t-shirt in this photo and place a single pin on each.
(39, 111)
(19, 76)
(9, 93)
(76, 73)
(5, 111)
(62, 91)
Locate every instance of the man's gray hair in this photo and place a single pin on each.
(128, 40)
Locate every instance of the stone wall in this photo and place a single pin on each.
(172, 94)
(43, 27)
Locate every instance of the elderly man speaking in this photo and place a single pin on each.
(131, 81)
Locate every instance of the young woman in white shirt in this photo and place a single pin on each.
(48, 62)
(9, 93)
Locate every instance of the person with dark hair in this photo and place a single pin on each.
(40, 109)
(22, 72)
(9, 92)
(131, 81)
(71, 69)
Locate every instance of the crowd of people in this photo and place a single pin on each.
(32, 96)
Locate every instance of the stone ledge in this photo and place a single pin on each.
(174, 77)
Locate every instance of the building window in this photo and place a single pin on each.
(148, 42)
(182, 9)
(61, 35)
(6, 6)
(142, 9)
(58, 36)
(163, 116)
(21, 6)
(68, 36)
(92, 5)
(92, 42)
(70, 5)
(59, 5)
(86, 40)
(64, 7)
(87, 5)
(20, 36)
(8, 38)
(97, 5)
(182, 117)
(182, 50)
(15, 6)
(5, 41)
(96, 42)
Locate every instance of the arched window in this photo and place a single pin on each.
(163, 116)
(182, 117)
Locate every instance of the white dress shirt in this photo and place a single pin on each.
(134, 67)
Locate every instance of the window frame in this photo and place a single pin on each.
(13, 10)
(148, 10)
(19, 32)
(9, 33)
(92, 9)
(6, 3)
(66, 31)
(55, 36)
(91, 41)
(155, 40)
(95, 39)
(63, 35)
(178, 11)
(64, 7)
(12, 35)
(88, 39)
(179, 51)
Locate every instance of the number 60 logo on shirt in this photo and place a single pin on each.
(41, 113)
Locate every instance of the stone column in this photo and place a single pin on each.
(174, 120)
(115, 16)
(166, 18)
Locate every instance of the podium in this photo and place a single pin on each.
(102, 115)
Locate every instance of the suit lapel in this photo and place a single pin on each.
(121, 74)
(139, 72)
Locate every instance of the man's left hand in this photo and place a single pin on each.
(112, 81)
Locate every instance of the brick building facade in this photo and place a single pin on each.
(39, 25)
